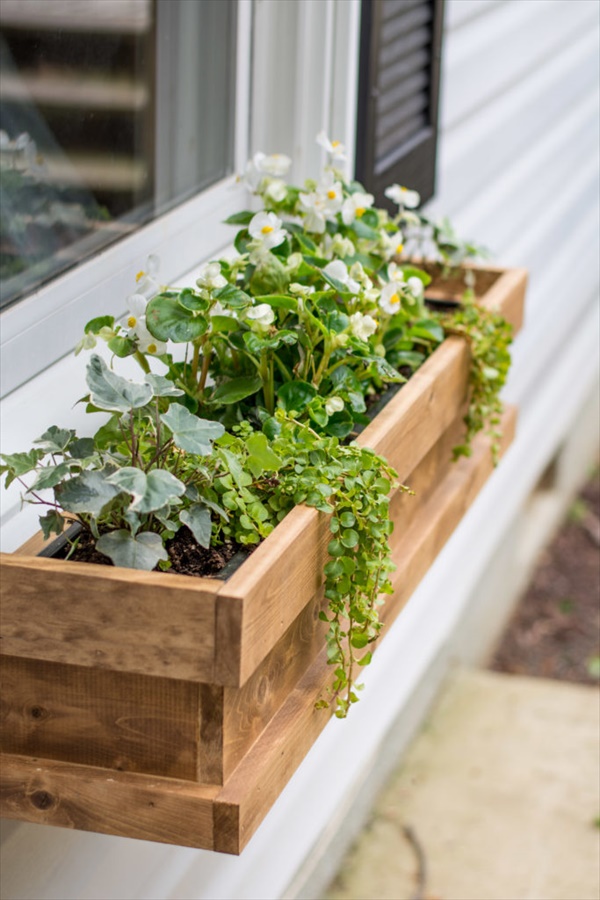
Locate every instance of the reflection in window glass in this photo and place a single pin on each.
(111, 112)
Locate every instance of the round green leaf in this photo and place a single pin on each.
(167, 320)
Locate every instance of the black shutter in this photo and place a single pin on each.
(398, 95)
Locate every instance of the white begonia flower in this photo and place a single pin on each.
(294, 261)
(336, 150)
(210, 278)
(301, 290)
(313, 207)
(362, 326)
(403, 196)
(136, 304)
(265, 227)
(391, 295)
(87, 342)
(358, 273)
(277, 164)
(415, 286)
(341, 246)
(339, 270)
(260, 317)
(276, 190)
(355, 205)
(333, 405)
(147, 343)
(262, 165)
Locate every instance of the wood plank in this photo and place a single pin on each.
(248, 710)
(150, 623)
(262, 774)
(118, 720)
(507, 296)
(91, 799)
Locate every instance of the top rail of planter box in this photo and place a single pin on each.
(204, 630)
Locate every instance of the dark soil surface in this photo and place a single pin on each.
(555, 631)
(186, 555)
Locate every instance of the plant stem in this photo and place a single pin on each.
(142, 361)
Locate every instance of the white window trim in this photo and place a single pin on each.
(45, 326)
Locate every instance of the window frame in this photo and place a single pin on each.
(44, 326)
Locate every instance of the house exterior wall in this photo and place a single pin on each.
(518, 170)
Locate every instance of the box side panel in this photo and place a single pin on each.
(84, 798)
(122, 620)
(125, 722)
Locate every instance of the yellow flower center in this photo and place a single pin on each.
(360, 211)
(335, 143)
(399, 248)
(151, 348)
(394, 299)
(140, 275)
(131, 322)
(267, 229)
(332, 195)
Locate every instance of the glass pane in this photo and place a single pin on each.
(111, 112)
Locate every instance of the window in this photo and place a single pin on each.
(122, 123)
(398, 95)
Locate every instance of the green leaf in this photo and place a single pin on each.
(89, 493)
(296, 395)
(232, 297)
(240, 218)
(108, 434)
(144, 551)
(121, 346)
(349, 538)
(82, 448)
(366, 659)
(257, 342)
(223, 324)
(50, 476)
(55, 439)
(167, 320)
(94, 326)
(161, 386)
(150, 491)
(190, 433)
(279, 301)
(52, 523)
(241, 478)
(261, 457)
(359, 639)
(198, 520)
(362, 230)
(414, 272)
(192, 300)
(110, 391)
(237, 389)
(17, 464)
(429, 330)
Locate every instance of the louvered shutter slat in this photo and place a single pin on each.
(399, 79)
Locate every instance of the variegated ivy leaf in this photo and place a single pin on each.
(198, 520)
(150, 491)
(89, 493)
(111, 392)
(190, 433)
(52, 523)
(143, 551)
(55, 439)
(16, 464)
(161, 386)
(50, 476)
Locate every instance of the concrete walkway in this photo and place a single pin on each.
(497, 799)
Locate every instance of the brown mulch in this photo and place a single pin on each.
(555, 631)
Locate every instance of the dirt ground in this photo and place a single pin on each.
(555, 631)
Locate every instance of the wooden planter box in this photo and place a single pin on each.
(175, 709)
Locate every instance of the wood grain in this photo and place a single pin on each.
(91, 799)
(126, 722)
(150, 623)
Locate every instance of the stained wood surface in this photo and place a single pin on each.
(120, 803)
(150, 623)
(118, 720)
